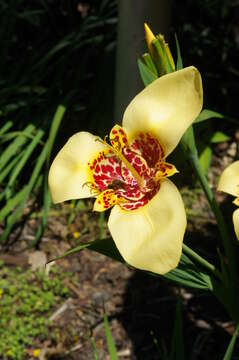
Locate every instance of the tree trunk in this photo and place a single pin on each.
(131, 44)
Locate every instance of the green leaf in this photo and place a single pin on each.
(46, 192)
(110, 340)
(57, 119)
(6, 127)
(30, 148)
(177, 346)
(189, 275)
(146, 74)
(186, 274)
(12, 203)
(219, 137)
(9, 167)
(205, 159)
(179, 64)
(188, 141)
(105, 247)
(231, 345)
(150, 64)
(207, 114)
(15, 146)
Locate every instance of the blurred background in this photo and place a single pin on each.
(68, 66)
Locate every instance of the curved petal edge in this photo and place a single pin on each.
(235, 218)
(229, 179)
(166, 108)
(69, 171)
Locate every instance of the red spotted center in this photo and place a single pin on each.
(128, 174)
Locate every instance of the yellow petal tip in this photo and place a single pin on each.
(149, 36)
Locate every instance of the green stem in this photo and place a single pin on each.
(231, 283)
(190, 150)
(227, 243)
(201, 261)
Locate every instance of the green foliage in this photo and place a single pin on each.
(207, 114)
(110, 342)
(229, 352)
(177, 346)
(96, 356)
(186, 274)
(26, 299)
(147, 75)
(179, 64)
(59, 45)
(206, 136)
(25, 153)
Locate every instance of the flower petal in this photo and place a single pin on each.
(166, 108)
(70, 171)
(165, 169)
(150, 238)
(235, 218)
(105, 200)
(229, 179)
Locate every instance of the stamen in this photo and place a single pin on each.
(100, 140)
(124, 160)
(93, 189)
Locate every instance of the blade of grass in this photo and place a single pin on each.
(9, 167)
(6, 127)
(12, 203)
(177, 346)
(110, 340)
(14, 147)
(60, 111)
(13, 134)
(29, 150)
(16, 215)
(46, 193)
(96, 356)
(231, 345)
(179, 64)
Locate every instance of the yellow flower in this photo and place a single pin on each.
(76, 234)
(229, 183)
(158, 54)
(36, 353)
(129, 173)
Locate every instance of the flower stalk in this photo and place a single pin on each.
(231, 284)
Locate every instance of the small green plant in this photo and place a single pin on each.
(26, 300)
(110, 342)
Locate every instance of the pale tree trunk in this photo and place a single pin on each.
(131, 44)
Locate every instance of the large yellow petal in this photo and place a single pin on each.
(229, 179)
(69, 171)
(150, 238)
(235, 218)
(166, 108)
